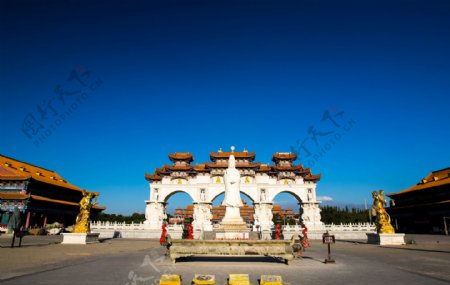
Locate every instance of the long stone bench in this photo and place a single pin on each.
(275, 248)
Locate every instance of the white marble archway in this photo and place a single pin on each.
(260, 182)
(261, 195)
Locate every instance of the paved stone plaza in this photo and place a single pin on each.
(42, 260)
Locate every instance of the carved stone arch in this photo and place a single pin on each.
(217, 194)
(165, 195)
(249, 195)
(274, 193)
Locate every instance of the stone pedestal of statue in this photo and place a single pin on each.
(232, 230)
(233, 225)
(386, 239)
(80, 238)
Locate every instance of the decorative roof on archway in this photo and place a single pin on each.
(176, 156)
(284, 156)
(225, 155)
(283, 163)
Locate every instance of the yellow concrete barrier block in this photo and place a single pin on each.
(170, 279)
(271, 280)
(239, 279)
(204, 279)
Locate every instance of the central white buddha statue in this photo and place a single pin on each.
(232, 199)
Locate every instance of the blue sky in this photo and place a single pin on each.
(166, 76)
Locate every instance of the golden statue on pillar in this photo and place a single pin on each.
(383, 220)
(82, 223)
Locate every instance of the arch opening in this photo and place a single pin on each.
(178, 206)
(247, 210)
(287, 208)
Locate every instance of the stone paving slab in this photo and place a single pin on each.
(5, 240)
(143, 261)
(44, 253)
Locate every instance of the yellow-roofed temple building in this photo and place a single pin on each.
(42, 195)
(424, 207)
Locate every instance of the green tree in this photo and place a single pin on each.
(276, 218)
(336, 215)
(133, 218)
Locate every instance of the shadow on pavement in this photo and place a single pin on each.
(229, 259)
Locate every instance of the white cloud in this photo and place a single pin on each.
(325, 198)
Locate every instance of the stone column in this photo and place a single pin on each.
(202, 219)
(263, 219)
(155, 213)
(27, 223)
(311, 216)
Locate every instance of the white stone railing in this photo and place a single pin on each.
(117, 226)
(292, 228)
(356, 227)
(360, 227)
(174, 227)
(124, 226)
(141, 230)
(342, 231)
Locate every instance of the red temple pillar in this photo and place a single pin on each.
(45, 220)
(27, 223)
